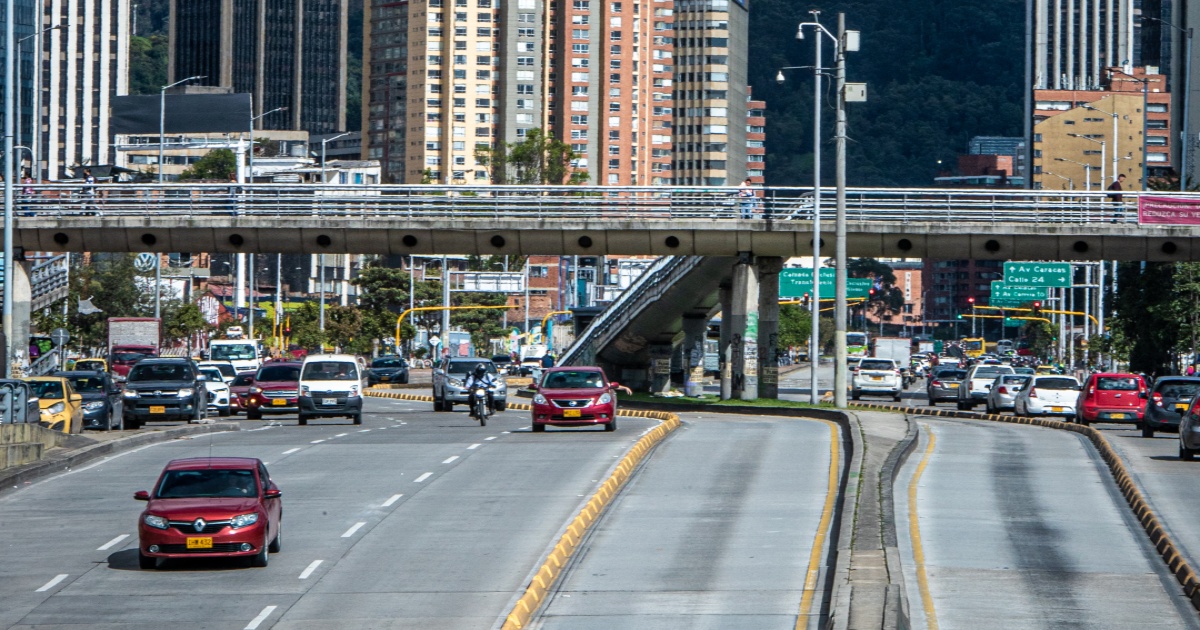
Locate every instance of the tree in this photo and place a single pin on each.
(795, 326)
(885, 299)
(147, 64)
(483, 324)
(539, 158)
(218, 164)
(181, 320)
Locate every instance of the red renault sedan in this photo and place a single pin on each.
(210, 506)
(575, 396)
(275, 390)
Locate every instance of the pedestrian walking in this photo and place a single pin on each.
(747, 199)
(1115, 195)
(89, 192)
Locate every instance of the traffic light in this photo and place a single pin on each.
(804, 301)
(960, 315)
(971, 301)
(1037, 309)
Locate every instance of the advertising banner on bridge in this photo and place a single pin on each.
(1168, 211)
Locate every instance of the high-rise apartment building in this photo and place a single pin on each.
(286, 53)
(710, 92)
(756, 137)
(85, 63)
(23, 27)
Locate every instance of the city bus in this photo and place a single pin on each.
(857, 344)
(973, 346)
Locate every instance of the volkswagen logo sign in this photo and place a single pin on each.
(199, 524)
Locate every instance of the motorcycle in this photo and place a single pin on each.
(479, 402)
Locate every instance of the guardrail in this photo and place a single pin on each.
(48, 281)
(468, 203)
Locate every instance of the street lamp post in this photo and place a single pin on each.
(162, 123)
(1070, 182)
(277, 109)
(36, 88)
(325, 141)
(1086, 167)
(9, 110)
(1103, 153)
(1145, 118)
(1187, 95)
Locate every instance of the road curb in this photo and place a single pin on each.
(14, 478)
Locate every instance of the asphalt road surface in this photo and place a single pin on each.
(1011, 526)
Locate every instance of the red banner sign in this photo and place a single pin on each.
(1168, 211)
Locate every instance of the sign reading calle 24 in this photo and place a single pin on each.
(1037, 274)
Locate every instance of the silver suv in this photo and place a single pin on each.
(877, 376)
(975, 386)
(449, 383)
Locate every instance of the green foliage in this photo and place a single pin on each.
(216, 164)
(181, 320)
(147, 64)
(1157, 317)
(483, 324)
(888, 299)
(1041, 337)
(795, 325)
(538, 159)
(109, 282)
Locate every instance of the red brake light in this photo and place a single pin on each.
(937, 383)
(1157, 398)
(1032, 393)
(1003, 390)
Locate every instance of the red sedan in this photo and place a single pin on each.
(575, 396)
(210, 506)
(239, 391)
(275, 390)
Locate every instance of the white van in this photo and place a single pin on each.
(242, 353)
(331, 385)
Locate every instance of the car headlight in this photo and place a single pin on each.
(131, 393)
(539, 399)
(55, 408)
(304, 391)
(354, 391)
(604, 399)
(94, 405)
(186, 392)
(157, 522)
(223, 391)
(254, 390)
(455, 382)
(243, 520)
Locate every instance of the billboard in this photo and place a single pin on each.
(1168, 211)
(183, 113)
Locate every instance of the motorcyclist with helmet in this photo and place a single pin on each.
(480, 377)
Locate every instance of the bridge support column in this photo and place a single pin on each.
(768, 325)
(660, 368)
(695, 331)
(724, 352)
(743, 320)
(22, 294)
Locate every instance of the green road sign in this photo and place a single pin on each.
(1037, 274)
(794, 283)
(1005, 294)
(1014, 323)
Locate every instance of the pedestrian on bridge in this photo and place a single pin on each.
(747, 198)
(1115, 195)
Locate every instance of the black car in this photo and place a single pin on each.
(504, 363)
(164, 389)
(1166, 403)
(103, 407)
(387, 369)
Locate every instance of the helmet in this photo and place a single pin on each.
(480, 370)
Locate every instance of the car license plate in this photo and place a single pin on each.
(278, 402)
(328, 401)
(953, 385)
(571, 413)
(1056, 409)
(385, 378)
(158, 409)
(199, 543)
(876, 378)
(1181, 407)
(1118, 416)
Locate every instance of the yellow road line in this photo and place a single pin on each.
(814, 557)
(914, 530)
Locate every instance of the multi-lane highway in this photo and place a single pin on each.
(426, 520)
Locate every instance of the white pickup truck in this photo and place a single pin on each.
(878, 377)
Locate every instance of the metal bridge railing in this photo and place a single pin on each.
(471, 203)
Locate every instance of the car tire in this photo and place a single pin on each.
(930, 400)
(145, 562)
(303, 419)
(501, 405)
(224, 413)
(1185, 453)
(611, 426)
(896, 398)
(108, 425)
(960, 406)
(538, 427)
(447, 405)
(253, 415)
(262, 558)
(132, 423)
(277, 544)
(357, 418)
(404, 381)
(1147, 431)
(855, 394)
(437, 403)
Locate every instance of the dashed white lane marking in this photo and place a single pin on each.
(450, 459)
(356, 527)
(262, 616)
(111, 543)
(291, 450)
(365, 431)
(341, 435)
(392, 499)
(490, 438)
(52, 583)
(423, 477)
(473, 447)
(309, 570)
(316, 441)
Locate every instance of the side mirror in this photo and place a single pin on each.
(201, 378)
(141, 495)
(75, 398)
(272, 493)
(614, 385)
(1143, 395)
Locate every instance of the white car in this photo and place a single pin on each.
(218, 390)
(225, 367)
(877, 376)
(1048, 395)
(975, 386)
(1003, 394)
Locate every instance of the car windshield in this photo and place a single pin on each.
(573, 380)
(208, 482)
(501, 359)
(90, 364)
(390, 362)
(992, 372)
(1118, 383)
(129, 357)
(47, 390)
(868, 364)
(1016, 380)
(87, 384)
(243, 380)
(232, 351)
(158, 372)
(1178, 390)
(276, 373)
(212, 374)
(226, 369)
(466, 367)
(1063, 383)
(329, 371)
(1025, 370)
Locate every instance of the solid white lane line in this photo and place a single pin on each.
(356, 527)
(490, 438)
(423, 477)
(309, 570)
(341, 435)
(316, 441)
(394, 498)
(109, 544)
(291, 450)
(450, 459)
(52, 583)
(262, 616)
(473, 447)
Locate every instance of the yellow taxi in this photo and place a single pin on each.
(98, 365)
(1046, 369)
(60, 404)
